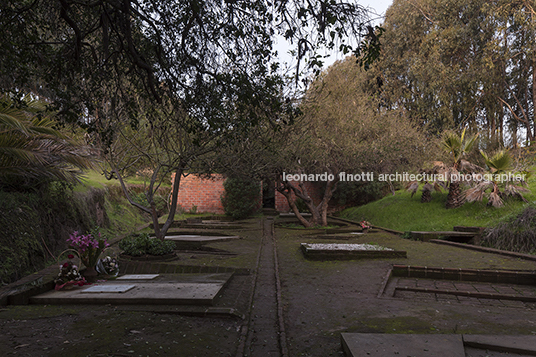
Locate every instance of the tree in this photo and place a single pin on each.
(241, 197)
(206, 55)
(454, 64)
(213, 61)
(338, 132)
(32, 152)
(498, 165)
(457, 147)
(165, 141)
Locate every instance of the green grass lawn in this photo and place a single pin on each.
(405, 213)
(94, 178)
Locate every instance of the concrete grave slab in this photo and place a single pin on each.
(173, 289)
(385, 345)
(343, 251)
(138, 277)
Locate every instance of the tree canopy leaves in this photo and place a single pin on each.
(455, 64)
(215, 58)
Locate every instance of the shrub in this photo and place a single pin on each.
(142, 244)
(241, 197)
(517, 235)
(357, 193)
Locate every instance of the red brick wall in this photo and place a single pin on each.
(200, 192)
(206, 194)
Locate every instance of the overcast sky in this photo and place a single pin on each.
(375, 6)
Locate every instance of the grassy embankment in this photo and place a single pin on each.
(124, 217)
(405, 213)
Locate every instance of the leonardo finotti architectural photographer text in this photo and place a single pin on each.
(403, 177)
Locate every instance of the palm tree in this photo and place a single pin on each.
(456, 146)
(498, 164)
(429, 186)
(32, 151)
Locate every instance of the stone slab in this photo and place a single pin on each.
(520, 344)
(138, 277)
(385, 345)
(107, 288)
(340, 251)
(176, 289)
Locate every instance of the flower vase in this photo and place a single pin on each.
(90, 274)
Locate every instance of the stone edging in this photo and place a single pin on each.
(147, 267)
(459, 274)
(327, 254)
(373, 226)
(485, 249)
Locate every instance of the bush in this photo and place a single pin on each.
(241, 197)
(517, 235)
(142, 244)
(357, 193)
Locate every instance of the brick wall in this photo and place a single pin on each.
(206, 194)
(200, 192)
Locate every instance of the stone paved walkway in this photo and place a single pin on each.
(464, 292)
(265, 335)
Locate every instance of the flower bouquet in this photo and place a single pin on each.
(108, 266)
(89, 249)
(365, 225)
(69, 276)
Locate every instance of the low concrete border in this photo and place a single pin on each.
(459, 274)
(329, 254)
(485, 249)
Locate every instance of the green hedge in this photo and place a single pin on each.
(241, 197)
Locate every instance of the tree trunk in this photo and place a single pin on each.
(318, 213)
(286, 191)
(454, 198)
(426, 196)
(533, 97)
(174, 201)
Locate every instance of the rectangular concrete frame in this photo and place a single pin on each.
(99, 289)
(185, 289)
(138, 277)
(385, 345)
(331, 254)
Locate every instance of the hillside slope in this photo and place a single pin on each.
(405, 213)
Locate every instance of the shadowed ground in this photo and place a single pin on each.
(317, 301)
